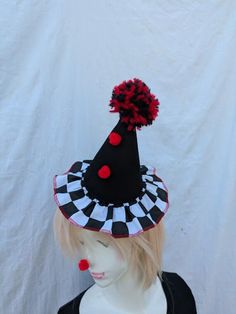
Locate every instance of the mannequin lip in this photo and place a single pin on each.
(97, 275)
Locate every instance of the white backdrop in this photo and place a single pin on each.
(59, 61)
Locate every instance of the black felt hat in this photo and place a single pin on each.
(113, 193)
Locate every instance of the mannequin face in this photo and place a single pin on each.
(106, 262)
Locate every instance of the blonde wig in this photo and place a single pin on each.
(146, 248)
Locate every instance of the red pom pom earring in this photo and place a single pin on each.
(83, 264)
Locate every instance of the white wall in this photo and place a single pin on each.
(59, 61)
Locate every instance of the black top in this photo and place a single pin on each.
(179, 297)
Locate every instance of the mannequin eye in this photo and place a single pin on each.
(103, 243)
(81, 242)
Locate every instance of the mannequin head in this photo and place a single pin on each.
(110, 258)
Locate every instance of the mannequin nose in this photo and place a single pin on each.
(89, 255)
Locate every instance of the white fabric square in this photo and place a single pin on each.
(151, 188)
(84, 166)
(73, 186)
(147, 202)
(151, 170)
(134, 226)
(99, 213)
(61, 180)
(161, 205)
(107, 226)
(137, 210)
(79, 218)
(63, 198)
(119, 214)
(82, 202)
(147, 177)
(161, 185)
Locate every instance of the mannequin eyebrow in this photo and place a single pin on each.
(103, 243)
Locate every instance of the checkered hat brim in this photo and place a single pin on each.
(127, 220)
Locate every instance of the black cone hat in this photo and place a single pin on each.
(113, 193)
(124, 183)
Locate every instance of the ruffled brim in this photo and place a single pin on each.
(126, 220)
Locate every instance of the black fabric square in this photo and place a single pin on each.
(155, 213)
(162, 194)
(120, 228)
(70, 209)
(143, 169)
(145, 222)
(72, 178)
(76, 167)
(62, 189)
(89, 209)
(110, 212)
(156, 178)
(94, 224)
(151, 196)
(128, 215)
(76, 194)
(143, 208)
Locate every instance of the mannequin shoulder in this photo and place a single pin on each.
(72, 307)
(178, 293)
(174, 279)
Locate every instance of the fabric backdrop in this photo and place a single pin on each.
(59, 61)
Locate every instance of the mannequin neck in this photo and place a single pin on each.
(127, 293)
(125, 296)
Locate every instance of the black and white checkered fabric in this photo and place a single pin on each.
(127, 220)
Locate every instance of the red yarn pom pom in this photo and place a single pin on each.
(114, 138)
(135, 103)
(104, 172)
(83, 264)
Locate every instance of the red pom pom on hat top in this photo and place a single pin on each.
(136, 104)
(104, 172)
